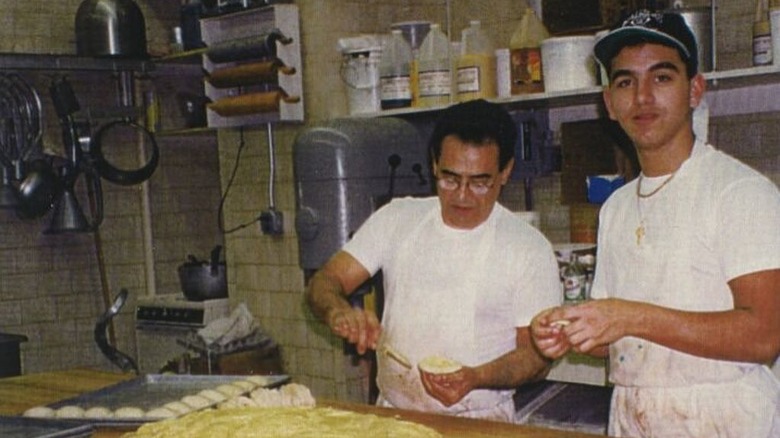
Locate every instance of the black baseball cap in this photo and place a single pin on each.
(666, 28)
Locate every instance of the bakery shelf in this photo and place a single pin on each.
(718, 80)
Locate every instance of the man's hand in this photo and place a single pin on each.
(547, 333)
(357, 326)
(449, 388)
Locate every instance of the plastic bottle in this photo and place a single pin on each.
(476, 65)
(434, 71)
(526, 54)
(575, 281)
(395, 73)
(762, 43)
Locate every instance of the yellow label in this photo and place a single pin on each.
(476, 77)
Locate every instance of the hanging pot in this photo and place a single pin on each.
(204, 280)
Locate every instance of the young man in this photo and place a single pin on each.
(687, 281)
(463, 277)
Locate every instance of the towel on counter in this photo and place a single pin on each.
(238, 325)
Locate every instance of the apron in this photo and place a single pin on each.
(419, 322)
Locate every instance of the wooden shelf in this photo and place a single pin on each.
(185, 132)
(719, 80)
(25, 61)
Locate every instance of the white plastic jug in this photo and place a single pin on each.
(395, 73)
(434, 72)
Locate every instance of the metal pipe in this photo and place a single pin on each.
(271, 167)
(126, 88)
(713, 34)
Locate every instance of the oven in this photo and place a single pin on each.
(162, 321)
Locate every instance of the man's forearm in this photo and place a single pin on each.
(519, 366)
(323, 295)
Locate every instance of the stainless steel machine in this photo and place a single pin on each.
(345, 170)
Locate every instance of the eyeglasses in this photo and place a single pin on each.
(478, 187)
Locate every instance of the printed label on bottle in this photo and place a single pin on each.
(762, 50)
(526, 70)
(574, 288)
(468, 79)
(395, 87)
(434, 83)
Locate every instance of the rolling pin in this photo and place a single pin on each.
(251, 103)
(253, 47)
(248, 74)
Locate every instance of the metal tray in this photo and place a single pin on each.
(21, 427)
(151, 391)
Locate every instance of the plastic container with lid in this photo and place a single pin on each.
(395, 72)
(476, 67)
(434, 69)
(526, 57)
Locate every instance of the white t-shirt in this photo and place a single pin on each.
(458, 293)
(715, 221)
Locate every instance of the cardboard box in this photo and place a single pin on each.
(587, 149)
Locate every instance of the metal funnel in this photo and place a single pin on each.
(68, 216)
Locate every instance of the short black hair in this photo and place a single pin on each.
(478, 122)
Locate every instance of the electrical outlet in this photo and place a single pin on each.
(272, 222)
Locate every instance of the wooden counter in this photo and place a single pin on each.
(461, 427)
(20, 393)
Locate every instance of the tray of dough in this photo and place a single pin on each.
(154, 397)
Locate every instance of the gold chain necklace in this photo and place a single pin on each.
(640, 230)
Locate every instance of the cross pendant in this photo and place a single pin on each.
(640, 233)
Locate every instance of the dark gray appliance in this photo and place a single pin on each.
(344, 171)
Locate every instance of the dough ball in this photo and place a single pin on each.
(160, 413)
(267, 398)
(129, 412)
(178, 407)
(196, 401)
(295, 394)
(40, 412)
(244, 385)
(258, 380)
(70, 411)
(229, 404)
(439, 365)
(230, 390)
(243, 400)
(212, 395)
(98, 412)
